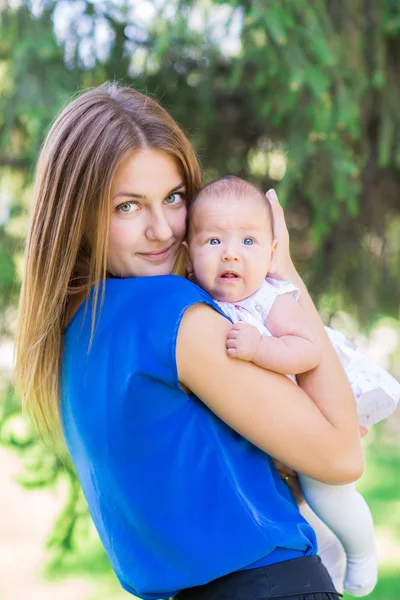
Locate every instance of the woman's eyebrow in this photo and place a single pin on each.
(142, 197)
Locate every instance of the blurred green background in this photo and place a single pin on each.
(302, 96)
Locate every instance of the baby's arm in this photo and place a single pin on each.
(295, 345)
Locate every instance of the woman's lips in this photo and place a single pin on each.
(156, 256)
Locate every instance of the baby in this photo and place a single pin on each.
(230, 250)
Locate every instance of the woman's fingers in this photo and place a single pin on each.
(280, 229)
(363, 431)
(273, 198)
(282, 262)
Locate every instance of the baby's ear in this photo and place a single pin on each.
(273, 255)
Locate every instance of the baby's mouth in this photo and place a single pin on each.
(229, 275)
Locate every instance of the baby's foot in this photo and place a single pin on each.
(361, 575)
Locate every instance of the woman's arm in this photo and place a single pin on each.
(315, 434)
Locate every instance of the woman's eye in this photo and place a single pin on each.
(214, 241)
(248, 241)
(175, 198)
(127, 207)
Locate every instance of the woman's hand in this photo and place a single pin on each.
(289, 476)
(284, 267)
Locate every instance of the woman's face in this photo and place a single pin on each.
(148, 220)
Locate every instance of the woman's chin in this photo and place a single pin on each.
(153, 270)
(161, 270)
(145, 268)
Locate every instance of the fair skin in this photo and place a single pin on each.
(230, 252)
(230, 245)
(148, 220)
(314, 429)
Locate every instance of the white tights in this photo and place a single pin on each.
(347, 515)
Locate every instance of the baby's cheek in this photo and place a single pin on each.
(203, 272)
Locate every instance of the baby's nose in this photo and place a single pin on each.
(230, 255)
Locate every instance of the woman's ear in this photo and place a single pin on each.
(273, 255)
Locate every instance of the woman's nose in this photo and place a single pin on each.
(158, 228)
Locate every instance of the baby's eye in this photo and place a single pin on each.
(214, 241)
(127, 207)
(175, 198)
(248, 241)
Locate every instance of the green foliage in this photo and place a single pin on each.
(7, 270)
(43, 468)
(316, 82)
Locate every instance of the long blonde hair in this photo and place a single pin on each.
(66, 251)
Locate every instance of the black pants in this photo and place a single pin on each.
(299, 579)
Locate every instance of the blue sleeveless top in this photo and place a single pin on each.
(177, 496)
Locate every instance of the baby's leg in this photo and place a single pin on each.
(346, 513)
(329, 548)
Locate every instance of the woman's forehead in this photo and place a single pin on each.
(146, 172)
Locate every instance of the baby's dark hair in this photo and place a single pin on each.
(233, 186)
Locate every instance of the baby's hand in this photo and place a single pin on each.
(243, 341)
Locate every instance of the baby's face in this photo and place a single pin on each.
(230, 246)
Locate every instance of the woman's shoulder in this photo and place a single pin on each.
(156, 281)
(168, 289)
(162, 298)
(141, 303)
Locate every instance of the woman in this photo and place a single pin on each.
(170, 437)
